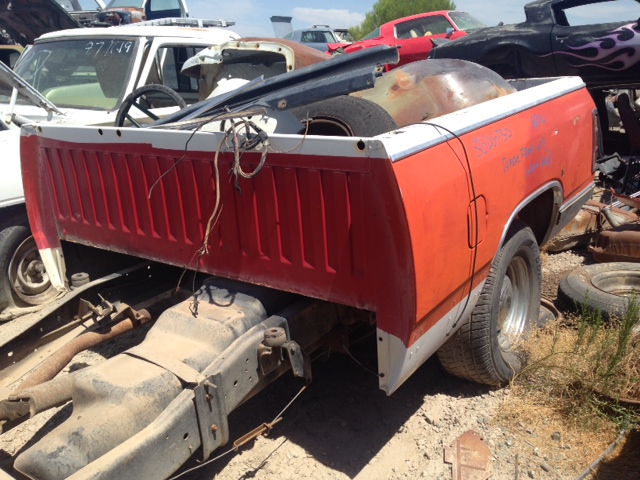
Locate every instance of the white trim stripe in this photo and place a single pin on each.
(416, 138)
(396, 362)
(396, 145)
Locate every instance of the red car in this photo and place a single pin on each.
(414, 34)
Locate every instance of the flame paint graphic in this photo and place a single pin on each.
(617, 51)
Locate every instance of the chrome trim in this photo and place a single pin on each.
(560, 217)
(569, 210)
(557, 193)
(598, 146)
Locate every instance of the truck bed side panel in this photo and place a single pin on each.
(503, 163)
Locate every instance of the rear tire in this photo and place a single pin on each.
(345, 116)
(485, 348)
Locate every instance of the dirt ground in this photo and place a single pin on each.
(343, 427)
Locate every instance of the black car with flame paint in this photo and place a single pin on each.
(560, 37)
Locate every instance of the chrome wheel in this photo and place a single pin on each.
(514, 303)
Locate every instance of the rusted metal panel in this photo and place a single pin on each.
(470, 457)
(618, 245)
(302, 54)
(586, 226)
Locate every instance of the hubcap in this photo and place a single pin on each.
(514, 303)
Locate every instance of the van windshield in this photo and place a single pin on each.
(80, 73)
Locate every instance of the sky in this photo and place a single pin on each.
(252, 16)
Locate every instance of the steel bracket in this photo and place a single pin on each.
(212, 414)
(269, 358)
(300, 363)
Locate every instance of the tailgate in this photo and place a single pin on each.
(309, 222)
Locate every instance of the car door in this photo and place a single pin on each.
(603, 54)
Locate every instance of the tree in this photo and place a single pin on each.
(386, 10)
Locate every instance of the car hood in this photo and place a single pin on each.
(28, 19)
(11, 79)
(481, 35)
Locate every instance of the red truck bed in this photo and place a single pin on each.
(405, 224)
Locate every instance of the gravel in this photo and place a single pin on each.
(343, 427)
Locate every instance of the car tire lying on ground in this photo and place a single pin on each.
(25, 281)
(484, 348)
(607, 287)
(344, 116)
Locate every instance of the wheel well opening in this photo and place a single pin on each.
(538, 214)
(13, 215)
(327, 126)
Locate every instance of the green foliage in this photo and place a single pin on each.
(593, 368)
(387, 10)
(613, 345)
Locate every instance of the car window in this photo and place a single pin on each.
(592, 12)
(125, 3)
(160, 5)
(421, 27)
(435, 25)
(166, 71)
(330, 37)
(318, 36)
(9, 57)
(343, 35)
(466, 22)
(374, 34)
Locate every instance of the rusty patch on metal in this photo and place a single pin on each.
(617, 246)
(585, 227)
(470, 457)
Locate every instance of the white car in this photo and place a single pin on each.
(79, 76)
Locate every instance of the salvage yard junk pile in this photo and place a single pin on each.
(300, 203)
(305, 205)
